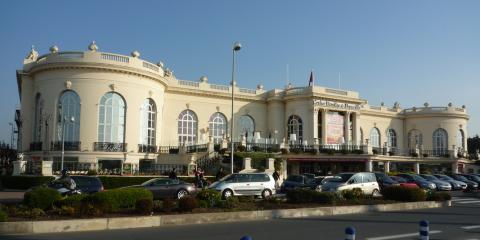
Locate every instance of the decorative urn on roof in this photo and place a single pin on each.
(93, 47)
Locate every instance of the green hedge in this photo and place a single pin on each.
(310, 196)
(404, 194)
(42, 198)
(439, 196)
(117, 199)
(23, 182)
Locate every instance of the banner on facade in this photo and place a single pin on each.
(335, 127)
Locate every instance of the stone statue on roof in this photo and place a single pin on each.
(32, 55)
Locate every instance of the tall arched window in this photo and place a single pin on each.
(217, 126)
(415, 138)
(148, 117)
(246, 127)
(187, 127)
(37, 125)
(319, 126)
(295, 127)
(68, 108)
(111, 118)
(375, 137)
(362, 140)
(440, 142)
(391, 138)
(461, 139)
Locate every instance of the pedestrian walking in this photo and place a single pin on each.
(173, 174)
(276, 177)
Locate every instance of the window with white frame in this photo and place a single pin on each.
(68, 110)
(415, 138)
(295, 127)
(111, 118)
(461, 139)
(217, 127)
(148, 116)
(187, 127)
(440, 141)
(375, 137)
(391, 138)
(37, 125)
(246, 128)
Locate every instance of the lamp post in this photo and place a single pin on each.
(236, 47)
(72, 120)
(13, 131)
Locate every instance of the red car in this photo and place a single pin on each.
(403, 182)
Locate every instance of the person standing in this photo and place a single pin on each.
(276, 177)
(172, 174)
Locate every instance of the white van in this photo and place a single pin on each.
(347, 181)
(245, 184)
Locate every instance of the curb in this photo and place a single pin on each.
(95, 224)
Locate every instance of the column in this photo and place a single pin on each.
(324, 126)
(284, 168)
(416, 168)
(386, 166)
(368, 166)
(315, 125)
(455, 167)
(346, 128)
(356, 135)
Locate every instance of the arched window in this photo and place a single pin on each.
(440, 142)
(246, 127)
(148, 117)
(111, 118)
(68, 108)
(375, 137)
(415, 138)
(187, 127)
(295, 127)
(362, 141)
(217, 126)
(461, 139)
(37, 125)
(391, 138)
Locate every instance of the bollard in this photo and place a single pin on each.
(246, 237)
(350, 233)
(424, 230)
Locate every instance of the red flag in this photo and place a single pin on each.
(310, 83)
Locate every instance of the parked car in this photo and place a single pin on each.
(459, 177)
(456, 185)
(245, 184)
(88, 184)
(166, 187)
(385, 181)
(403, 182)
(472, 177)
(441, 185)
(347, 181)
(299, 181)
(421, 182)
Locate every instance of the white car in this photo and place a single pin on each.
(245, 184)
(348, 181)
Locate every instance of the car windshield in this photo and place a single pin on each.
(149, 182)
(461, 178)
(418, 178)
(228, 178)
(399, 179)
(341, 177)
(429, 177)
(444, 177)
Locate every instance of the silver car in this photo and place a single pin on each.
(441, 185)
(348, 181)
(456, 185)
(245, 184)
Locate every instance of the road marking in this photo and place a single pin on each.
(401, 235)
(471, 227)
(465, 202)
(462, 199)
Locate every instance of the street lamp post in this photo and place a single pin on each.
(72, 120)
(236, 47)
(13, 132)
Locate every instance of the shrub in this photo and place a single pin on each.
(67, 211)
(425, 155)
(300, 196)
(261, 169)
(353, 194)
(330, 152)
(391, 153)
(36, 213)
(344, 151)
(168, 204)
(187, 204)
(246, 199)
(438, 196)
(74, 201)
(210, 196)
(230, 203)
(296, 150)
(222, 151)
(241, 148)
(23, 182)
(117, 199)
(42, 198)
(284, 151)
(144, 206)
(325, 198)
(91, 209)
(405, 194)
(256, 148)
(157, 205)
(313, 151)
(3, 216)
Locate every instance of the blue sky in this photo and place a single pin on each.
(407, 51)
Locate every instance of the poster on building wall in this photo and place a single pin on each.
(335, 123)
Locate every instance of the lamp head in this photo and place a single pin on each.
(237, 46)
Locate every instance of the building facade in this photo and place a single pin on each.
(113, 112)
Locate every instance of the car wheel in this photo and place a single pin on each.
(266, 193)
(227, 193)
(182, 193)
(375, 193)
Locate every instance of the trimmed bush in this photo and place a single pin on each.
(168, 204)
(3, 216)
(118, 199)
(438, 196)
(209, 197)
(187, 204)
(325, 198)
(144, 206)
(23, 182)
(67, 211)
(112, 182)
(300, 196)
(404, 194)
(353, 194)
(42, 198)
(74, 201)
(230, 203)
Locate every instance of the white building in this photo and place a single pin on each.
(122, 112)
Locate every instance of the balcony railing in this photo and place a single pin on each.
(109, 147)
(197, 148)
(142, 148)
(168, 149)
(35, 146)
(68, 146)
